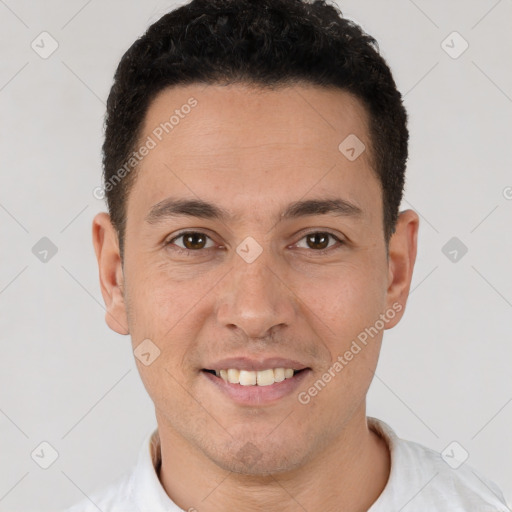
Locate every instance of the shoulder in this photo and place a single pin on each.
(422, 477)
(138, 488)
(452, 482)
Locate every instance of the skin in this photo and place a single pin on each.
(252, 152)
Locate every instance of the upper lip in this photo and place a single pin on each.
(247, 363)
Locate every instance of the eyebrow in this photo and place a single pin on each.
(174, 207)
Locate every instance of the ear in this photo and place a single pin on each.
(106, 246)
(402, 256)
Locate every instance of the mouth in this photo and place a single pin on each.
(255, 387)
(266, 377)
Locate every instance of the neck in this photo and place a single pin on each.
(348, 475)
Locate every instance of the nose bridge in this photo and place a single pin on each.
(254, 298)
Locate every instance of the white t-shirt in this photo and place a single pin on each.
(419, 481)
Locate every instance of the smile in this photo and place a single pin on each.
(256, 387)
(255, 378)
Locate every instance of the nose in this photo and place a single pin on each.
(256, 298)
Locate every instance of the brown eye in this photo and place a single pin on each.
(191, 241)
(194, 241)
(319, 241)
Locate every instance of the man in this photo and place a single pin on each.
(254, 251)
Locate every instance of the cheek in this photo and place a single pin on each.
(344, 301)
(161, 297)
(347, 306)
(165, 312)
(348, 386)
(170, 310)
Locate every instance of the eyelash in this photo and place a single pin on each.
(188, 252)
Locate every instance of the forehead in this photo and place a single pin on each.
(241, 144)
(248, 114)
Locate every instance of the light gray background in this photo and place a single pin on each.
(65, 378)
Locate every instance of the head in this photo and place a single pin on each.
(254, 164)
(269, 43)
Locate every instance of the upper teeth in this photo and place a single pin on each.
(252, 378)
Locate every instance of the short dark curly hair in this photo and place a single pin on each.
(268, 43)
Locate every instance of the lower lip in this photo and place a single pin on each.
(257, 395)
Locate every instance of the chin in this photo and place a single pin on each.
(259, 458)
(266, 466)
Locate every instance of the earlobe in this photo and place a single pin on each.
(106, 247)
(402, 256)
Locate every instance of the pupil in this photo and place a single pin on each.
(323, 237)
(190, 238)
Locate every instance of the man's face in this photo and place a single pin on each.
(256, 286)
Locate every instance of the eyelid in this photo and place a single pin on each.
(325, 231)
